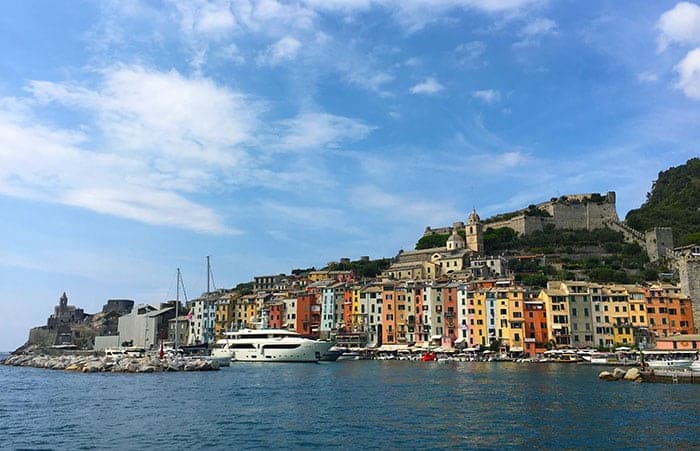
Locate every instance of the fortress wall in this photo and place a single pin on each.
(659, 241)
(42, 336)
(689, 272)
(573, 211)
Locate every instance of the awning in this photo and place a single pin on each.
(392, 348)
(516, 349)
(436, 337)
(460, 340)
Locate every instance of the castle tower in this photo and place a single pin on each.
(455, 241)
(475, 234)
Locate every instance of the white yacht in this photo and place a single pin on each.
(669, 360)
(269, 345)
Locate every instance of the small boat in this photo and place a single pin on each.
(352, 355)
(429, 357)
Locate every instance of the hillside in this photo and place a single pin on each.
(674, 201)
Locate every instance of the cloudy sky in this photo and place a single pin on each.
(138, 137)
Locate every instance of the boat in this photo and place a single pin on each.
(561, 356)
(350, 355)
(669, 360)
(429, 357)
(331, 355)
(695, 365)
(270, 345)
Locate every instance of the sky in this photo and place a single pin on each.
(137, 137)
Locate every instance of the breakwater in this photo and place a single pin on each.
(122, 364)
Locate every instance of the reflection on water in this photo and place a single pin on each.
(347, 404)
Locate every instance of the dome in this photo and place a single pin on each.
(473, 217)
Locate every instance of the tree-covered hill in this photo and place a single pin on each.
(674, 201)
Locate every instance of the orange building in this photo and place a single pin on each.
(450, 310)
(308, 317)
(276, 315)
(347, 309)
(668, 311)
(536, 330)
(389, 314)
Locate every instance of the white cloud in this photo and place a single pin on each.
(365, 78)
(286, 49)
(689, 71)
(314, 130)
(417, 14)
(154, 136)
(429, 86)
(313, 217)
(401, 208)
(209, 18)
(487, 95)
(538, 27)
(647, 77)
(162, 113)
(470, 50)
(679, 25)
(50, 165)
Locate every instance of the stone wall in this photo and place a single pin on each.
(41, 337)
(575, 211)
(658, 241)
(689, 274)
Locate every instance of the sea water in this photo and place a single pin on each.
(347, 405)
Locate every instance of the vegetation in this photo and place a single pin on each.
(245, 288)
(436, 240)
(432, 240)
(363, 268)
(674, 201)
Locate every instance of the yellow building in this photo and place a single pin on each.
(556, 302)
(637, 306)
(476, 318)
(616, 298)
(224, 313)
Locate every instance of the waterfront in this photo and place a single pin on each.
(359, 404)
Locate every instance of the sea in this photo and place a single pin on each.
(346, 405)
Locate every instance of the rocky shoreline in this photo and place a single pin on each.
(632, 374)
(122, 364)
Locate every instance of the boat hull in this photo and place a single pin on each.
(306, 351)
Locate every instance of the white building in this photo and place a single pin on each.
(202, 319)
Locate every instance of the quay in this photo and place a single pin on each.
(671, 377)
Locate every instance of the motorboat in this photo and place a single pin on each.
(270, 345)
(669, 359)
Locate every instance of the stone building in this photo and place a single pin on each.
(63, 319)
(574, 211)
(687, 261)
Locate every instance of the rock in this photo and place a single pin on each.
(606, 376)
(632, 374)
(618, 373)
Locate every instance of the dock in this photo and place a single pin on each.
(671, 376)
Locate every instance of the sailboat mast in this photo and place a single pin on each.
(177, 312)
(208, 274)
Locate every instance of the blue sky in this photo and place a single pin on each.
(138, 137)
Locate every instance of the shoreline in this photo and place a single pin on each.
(101, 364)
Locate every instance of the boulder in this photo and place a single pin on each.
(606, 376)
(632, 374)
(618, 373)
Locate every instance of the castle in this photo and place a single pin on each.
(575, 212)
